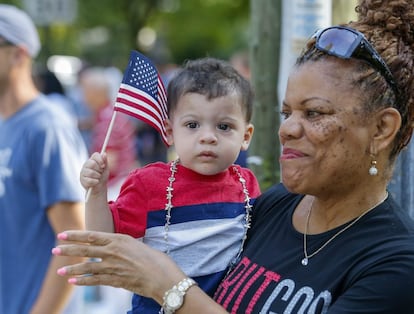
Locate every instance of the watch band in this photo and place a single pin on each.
(174, 298)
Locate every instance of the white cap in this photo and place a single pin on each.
(18, 28)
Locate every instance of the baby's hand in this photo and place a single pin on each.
(95, 172)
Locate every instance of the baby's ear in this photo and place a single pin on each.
(169, 131)
(388, 124)
(248, 134)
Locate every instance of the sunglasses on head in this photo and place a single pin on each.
(345, 42)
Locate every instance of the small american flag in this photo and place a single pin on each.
(142, 93)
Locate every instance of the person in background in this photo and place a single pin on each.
(99, 86)
(240, 61)
(328, 238)
(81, 111)
(98, 96)
(48, 84)
(41, 152)
(185, 207)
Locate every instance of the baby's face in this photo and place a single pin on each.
(208, 134)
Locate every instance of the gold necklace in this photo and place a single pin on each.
(169, 206)
(305, 260)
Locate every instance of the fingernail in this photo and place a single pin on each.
(62, 236)
(72, 280)
(61, 271)
(56, 251)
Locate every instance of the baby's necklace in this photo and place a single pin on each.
(169, 206)
(305, 260)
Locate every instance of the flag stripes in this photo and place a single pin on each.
(142, 94)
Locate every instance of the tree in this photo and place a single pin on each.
(105, 31)
(265, 51)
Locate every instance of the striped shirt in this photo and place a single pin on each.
(207, 219)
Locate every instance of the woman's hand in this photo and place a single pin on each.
(122, 261)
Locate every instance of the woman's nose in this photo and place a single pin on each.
(291, 127)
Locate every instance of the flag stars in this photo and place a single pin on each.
(142, 88)
(144, 75)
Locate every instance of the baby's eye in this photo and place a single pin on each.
(223, 127)
(192, 125)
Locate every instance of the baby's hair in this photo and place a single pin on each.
(212, 78)
(389, 27)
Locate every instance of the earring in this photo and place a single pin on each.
(373, 171)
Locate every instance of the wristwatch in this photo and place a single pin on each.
(174, 298)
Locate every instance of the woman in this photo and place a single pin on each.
(329, 239)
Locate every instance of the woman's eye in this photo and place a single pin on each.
(312, 114)
(191, 125)
(223, 127)
(307, 114)
(284, 114)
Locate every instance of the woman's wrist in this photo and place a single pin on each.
(173, 298)
(167, 276)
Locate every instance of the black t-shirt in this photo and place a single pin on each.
(369, 268)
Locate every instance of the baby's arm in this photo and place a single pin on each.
(94, 177)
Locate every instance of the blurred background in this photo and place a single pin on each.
(86, 46)
(104, 31)
(260, 38)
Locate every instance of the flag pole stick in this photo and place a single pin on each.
(103, 149)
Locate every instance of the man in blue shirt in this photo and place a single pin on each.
(41, 153)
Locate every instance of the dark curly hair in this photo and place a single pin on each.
(389, 27)
(212, 78)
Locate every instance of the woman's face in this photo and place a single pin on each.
(325, 135)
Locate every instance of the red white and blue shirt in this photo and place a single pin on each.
(207, 219)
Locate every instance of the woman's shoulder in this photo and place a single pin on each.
(400, 216)
(275, 197)
(276, 193)
(384, 238)
(394, 219)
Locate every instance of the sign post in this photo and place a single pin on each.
(46, 12)
(300, 18)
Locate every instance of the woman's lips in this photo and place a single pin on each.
(289, 153)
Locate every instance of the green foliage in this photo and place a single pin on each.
(14, 2)
(199, 28)
(105, 30)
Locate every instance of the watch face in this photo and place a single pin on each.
(174, 299)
